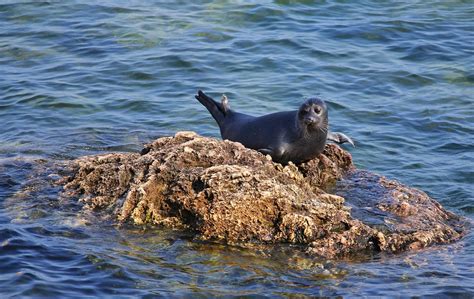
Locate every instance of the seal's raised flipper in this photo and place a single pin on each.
(217, 110)
(225, 104)
(339, 138)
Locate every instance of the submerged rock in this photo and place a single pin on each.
(225, 192)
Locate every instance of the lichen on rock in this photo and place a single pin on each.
(224, 192)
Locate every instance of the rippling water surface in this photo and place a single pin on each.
(80, 79)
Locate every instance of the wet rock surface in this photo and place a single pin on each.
(225, 192)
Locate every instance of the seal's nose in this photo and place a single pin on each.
(310, 120)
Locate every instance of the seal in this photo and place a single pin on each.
(295, 136)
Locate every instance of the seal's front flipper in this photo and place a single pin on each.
(266, 151)
(339, 138)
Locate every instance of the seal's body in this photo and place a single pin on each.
(296, 136)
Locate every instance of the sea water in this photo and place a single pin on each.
(92, 77)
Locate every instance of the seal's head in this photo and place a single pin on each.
(313, 115)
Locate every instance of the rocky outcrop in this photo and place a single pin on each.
(225, 192)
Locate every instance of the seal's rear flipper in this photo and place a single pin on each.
(216, 109)
(225, 104)
(339, 138)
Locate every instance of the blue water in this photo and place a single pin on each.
(81, 79)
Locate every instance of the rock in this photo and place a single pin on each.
(225, 192)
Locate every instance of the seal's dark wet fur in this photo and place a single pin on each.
(295, 136)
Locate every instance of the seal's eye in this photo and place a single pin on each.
(317, 109)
